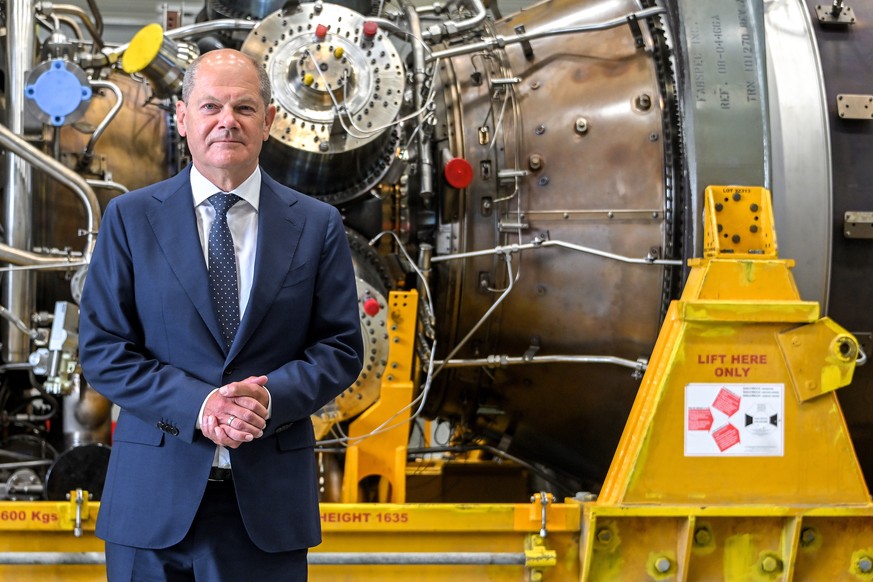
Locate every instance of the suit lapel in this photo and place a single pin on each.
(279, 230)
(175, 227)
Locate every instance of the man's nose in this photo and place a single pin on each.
(228, 118)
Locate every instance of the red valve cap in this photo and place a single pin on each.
(458, 172)
(370, 29)
(371, 307)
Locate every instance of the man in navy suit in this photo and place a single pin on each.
(212, 474)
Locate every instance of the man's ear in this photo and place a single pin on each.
(181, 113)
(268, 121)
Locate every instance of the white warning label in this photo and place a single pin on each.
(736, 420)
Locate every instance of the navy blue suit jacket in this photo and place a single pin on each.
(150, 342)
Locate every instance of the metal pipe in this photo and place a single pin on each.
(80, 14)
(425, 161)
(192, 30)
(500, 361)
(501, 41)
(316, 558)
(98, 17)
(20, 148)
(25, 464)
(18, 295)
(418, 558)
(17, 256)
(453, 27)
(211, 26)
(501, 250)
(119, 101)
(22, 327)
(108, 185)
(507, 257)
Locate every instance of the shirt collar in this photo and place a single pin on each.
(249, 190)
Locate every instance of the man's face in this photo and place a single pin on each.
(225, 120)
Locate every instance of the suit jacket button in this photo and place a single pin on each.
(173, 431)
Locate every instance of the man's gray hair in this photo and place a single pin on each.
(189, 79)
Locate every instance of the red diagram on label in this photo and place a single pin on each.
(699, 419)
(726, 437)
(727, 402)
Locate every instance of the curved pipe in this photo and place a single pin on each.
(98, 17)
(61, 173)
(16, 256)
(539, 244)
(192, 30)
(81, 15)
(119, 101)
(210, 26)
(108, 185)
(453, 27)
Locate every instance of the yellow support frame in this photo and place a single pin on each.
(378, 438)
(757, 479)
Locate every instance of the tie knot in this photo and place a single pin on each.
(222, 202)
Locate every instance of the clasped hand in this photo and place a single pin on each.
(237, 412)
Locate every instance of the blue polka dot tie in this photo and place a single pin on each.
(222, 267)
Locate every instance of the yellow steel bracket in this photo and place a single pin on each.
(537, 557)
(379, 436)
(821, 357)
(739, 223)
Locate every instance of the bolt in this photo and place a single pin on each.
(737, 197)
(323, 146)
(581, 125)
(544, 181)
(865, 564)
(753, 228)
(604, 535)
(535, 161)
(535, 85)
(807, 536)
(644, 102)
(663, 565)
(653, 136)
(769, 564)
(754, 208)
(702, 536)
(736, 239)
(540, 129)
(536, 576)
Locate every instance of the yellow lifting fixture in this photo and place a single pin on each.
(736, 463)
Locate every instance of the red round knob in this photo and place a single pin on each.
(371, 307)
(370, 29)
(458, 172)
(320, 32)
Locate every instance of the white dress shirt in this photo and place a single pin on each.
(242, 219)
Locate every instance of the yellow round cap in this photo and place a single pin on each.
(143, 48)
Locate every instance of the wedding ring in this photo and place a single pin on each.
(230, 420)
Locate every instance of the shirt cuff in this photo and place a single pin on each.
(199, 422)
